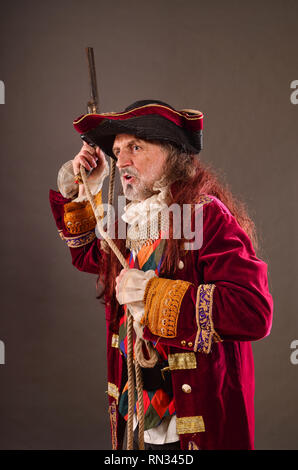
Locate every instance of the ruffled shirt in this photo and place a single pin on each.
(69, 189)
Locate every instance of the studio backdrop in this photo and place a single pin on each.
(236, 62)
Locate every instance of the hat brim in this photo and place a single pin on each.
(153, 122)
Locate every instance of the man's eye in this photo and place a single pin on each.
(136, 147)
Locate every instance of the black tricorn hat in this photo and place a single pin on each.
(148, 120)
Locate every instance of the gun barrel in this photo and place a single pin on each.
(92, 105)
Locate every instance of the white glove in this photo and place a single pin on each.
(130, 290)
(69, 189)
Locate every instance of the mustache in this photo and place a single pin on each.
(129, 171)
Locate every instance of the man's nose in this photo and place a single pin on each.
(123, 159)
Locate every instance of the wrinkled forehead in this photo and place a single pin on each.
(123, 138)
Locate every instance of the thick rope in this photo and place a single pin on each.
(104, 244)
(152, 355)
(131, 384)
(111, 191)
(138, 347)
(141, 414)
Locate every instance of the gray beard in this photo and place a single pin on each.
(140, 194)
(134, 194)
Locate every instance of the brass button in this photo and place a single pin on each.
(180, 264)
(183, 343)
(186, 388)
(190, 344)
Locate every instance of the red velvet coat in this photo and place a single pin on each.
(218, 413)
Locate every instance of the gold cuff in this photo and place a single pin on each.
(79, 216)
(162, 299)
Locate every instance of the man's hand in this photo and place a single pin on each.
(130, 289)
(91, 159)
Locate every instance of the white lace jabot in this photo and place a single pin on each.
(142, 212)
(146, 219)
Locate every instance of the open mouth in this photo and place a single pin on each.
(128, 177)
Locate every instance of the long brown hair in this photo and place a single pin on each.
(187, 178)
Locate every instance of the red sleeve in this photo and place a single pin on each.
(242, 305)
(84, 248)
(233, 302)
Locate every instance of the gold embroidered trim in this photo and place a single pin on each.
(203, 199)
(79, 216)
(113, 424)
(190, 424)
(115, 341)
(81, 240)
(206, 332)
(180, 361)
(113, 391)
(163, 298)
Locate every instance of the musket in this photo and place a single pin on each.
(93, 103)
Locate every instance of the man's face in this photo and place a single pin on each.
(140, 165)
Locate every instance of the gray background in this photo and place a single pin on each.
(233, 60)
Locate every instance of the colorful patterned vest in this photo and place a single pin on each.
(157, 403)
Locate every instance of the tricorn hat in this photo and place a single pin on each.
(148, 120)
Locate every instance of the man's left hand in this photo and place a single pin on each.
(130, 289)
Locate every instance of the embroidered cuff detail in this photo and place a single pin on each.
(163, 298)
(190, 425)
(181, 361)
(206, 332)
(81, 240)
(79, 216)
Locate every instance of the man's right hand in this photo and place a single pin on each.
(92, 159)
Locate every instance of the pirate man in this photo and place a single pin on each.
(199, 300)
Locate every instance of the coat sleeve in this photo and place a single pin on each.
(76, 226)
(232, 303)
